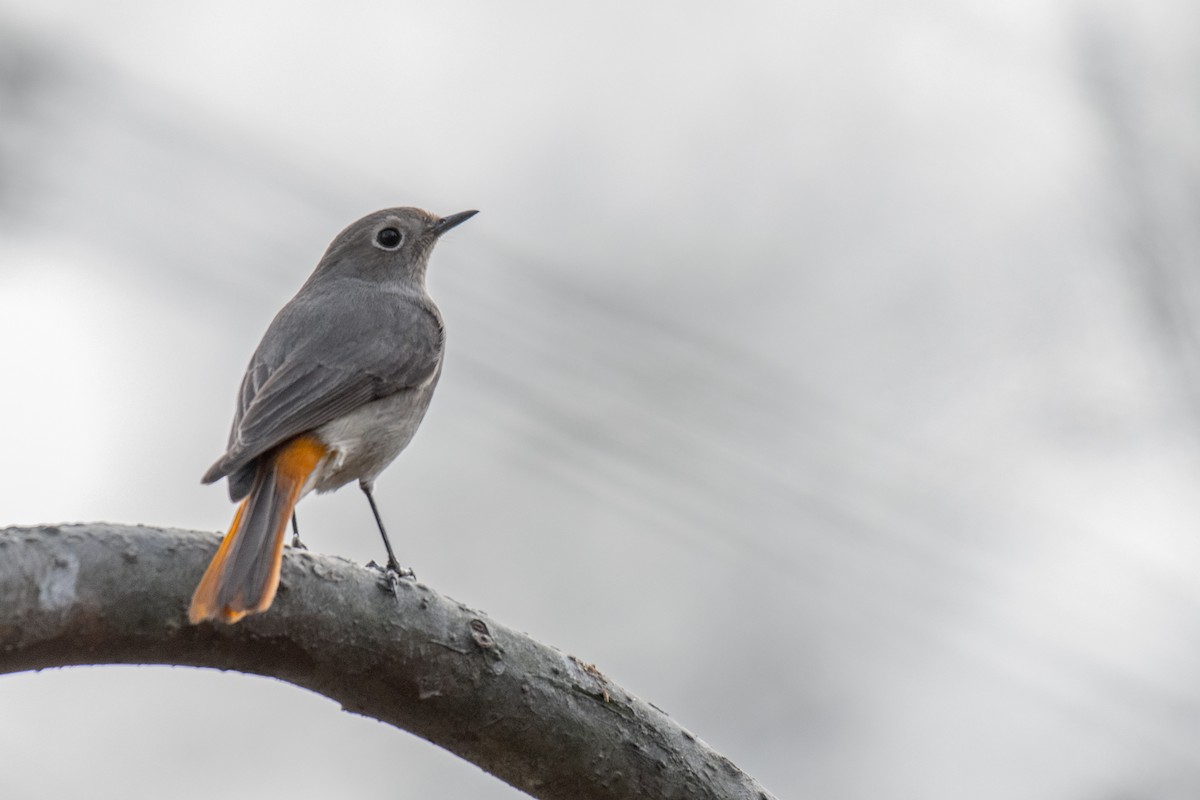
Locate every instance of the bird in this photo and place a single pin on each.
(334, 392)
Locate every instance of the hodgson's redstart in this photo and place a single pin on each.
(335, 391)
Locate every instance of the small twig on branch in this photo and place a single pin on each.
(546, 723)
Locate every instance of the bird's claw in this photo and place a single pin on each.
(394, 573)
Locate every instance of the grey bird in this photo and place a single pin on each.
(335, 390)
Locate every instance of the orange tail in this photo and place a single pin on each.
(244, 574)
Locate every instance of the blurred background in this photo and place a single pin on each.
(828, 374)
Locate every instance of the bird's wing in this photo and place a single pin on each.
(325, 356)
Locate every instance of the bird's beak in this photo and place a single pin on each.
(446, 223)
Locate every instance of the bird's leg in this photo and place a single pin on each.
(296, 534)
(393, 565)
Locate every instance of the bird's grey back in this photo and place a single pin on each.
(338, 344)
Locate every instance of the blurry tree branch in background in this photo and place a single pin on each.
(1155, 184)
(542, 721)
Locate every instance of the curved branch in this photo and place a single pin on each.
(542, 721)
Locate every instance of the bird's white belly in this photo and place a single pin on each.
(362, 443)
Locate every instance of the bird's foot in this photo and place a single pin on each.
(394, 573)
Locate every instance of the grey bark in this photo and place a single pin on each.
(544, 722)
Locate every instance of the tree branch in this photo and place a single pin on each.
(544, 722)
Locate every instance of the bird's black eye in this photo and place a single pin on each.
(389, 238)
